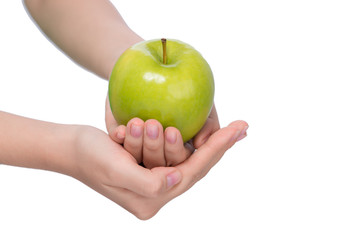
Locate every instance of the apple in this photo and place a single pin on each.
(166, 80)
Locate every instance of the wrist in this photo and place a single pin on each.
(126, 38)
(62, 148)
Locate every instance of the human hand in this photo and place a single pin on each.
(148, 150)
(109, 169)
(147, 142)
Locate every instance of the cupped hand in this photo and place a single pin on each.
(152, 146)
(108, 168)
(148, 142)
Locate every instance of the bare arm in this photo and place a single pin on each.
(89, 155)
(80, 151)
(91, 32)
(26, 142)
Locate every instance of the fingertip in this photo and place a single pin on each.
(134, 128)
(135, 120)
(226, 137)
(154, 122)
(241, 130)
(120, 133)
(153, 147)
(117, 134)
(239, 124)
(171, 134)
(173, 178)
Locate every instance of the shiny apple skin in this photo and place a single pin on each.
(179, 93)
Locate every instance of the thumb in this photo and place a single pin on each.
(149, 182)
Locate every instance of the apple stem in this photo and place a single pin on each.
(163, 41)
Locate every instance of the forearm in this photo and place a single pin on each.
(91, 32)
(36, 144)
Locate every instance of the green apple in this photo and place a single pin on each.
(166, 80)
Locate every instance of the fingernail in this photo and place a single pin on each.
(135, 130)
(241, 134)
(120, 135)
(171, 137)
(152, 131)
(173, 179)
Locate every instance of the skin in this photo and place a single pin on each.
(89, 154)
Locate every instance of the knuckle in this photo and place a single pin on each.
(154, 189)
(171, 157)
(132, 145)
(152, 147)
(177, 155)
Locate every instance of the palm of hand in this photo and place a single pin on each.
(108, 168)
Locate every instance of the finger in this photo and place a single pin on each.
(199, 164)
(211, 125)
(111, 124)
(134, 138)
(175, 150)
(206, 131)
(153, 148)
(120, 132)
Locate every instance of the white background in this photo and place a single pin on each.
(291, 69)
